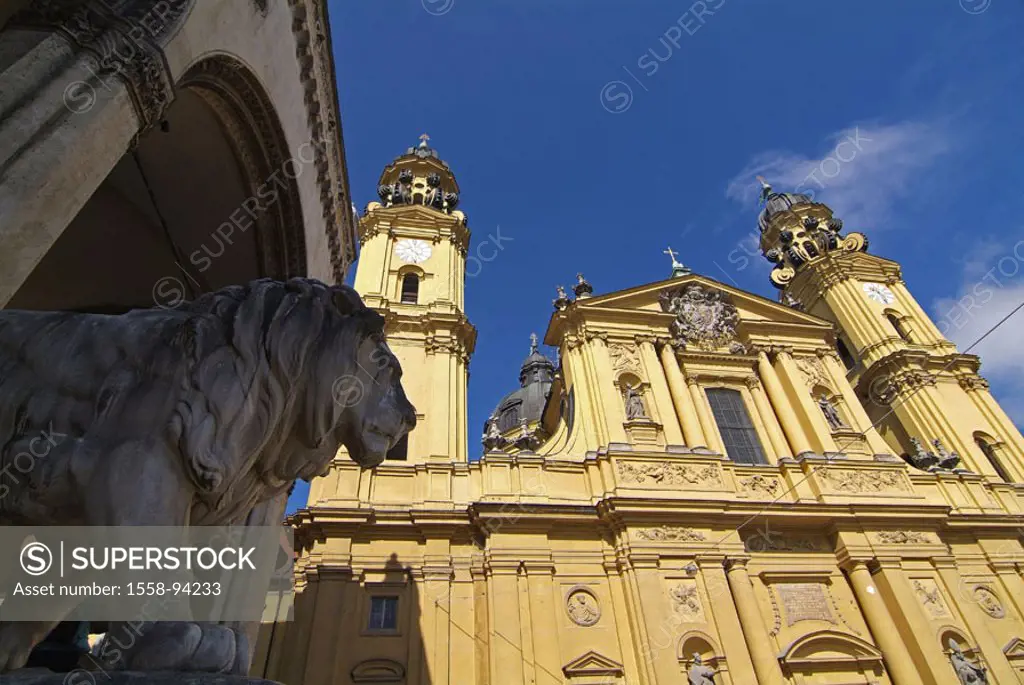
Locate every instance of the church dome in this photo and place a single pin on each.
(526, 403)
(777, 203)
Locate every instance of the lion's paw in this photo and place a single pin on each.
(186, 646)
(16, 643)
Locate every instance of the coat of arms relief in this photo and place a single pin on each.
(705, 319)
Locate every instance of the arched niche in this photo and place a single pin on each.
(206, 199)
(698, 642)
(824, 655)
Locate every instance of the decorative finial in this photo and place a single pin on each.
(677, 268)
(423, 140)
(766, 189)
(562, 301)
(533, 343)
(583, 289)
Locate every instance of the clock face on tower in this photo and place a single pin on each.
(413, 251)
(879, 293)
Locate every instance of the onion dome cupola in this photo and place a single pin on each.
(796, 230)
(419, 177)
(515, 422)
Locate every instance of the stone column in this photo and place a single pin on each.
(976, 619)
(614, 412)
(707, 421)
(723, 613)
(692, 432)
(898, 662)
(807, 411)
(930, 661)
(766, 665)
(662, 404)
(506, 640)
(1013, 584)
(776, 442)
(790, 424)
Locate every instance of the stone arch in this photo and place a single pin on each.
(251, 124)
(699, 642)
(409, 271)
(830, 651)
(206, 199)
(992, 449)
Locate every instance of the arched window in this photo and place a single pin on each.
(901, 329)
(410, 289)
(990, 454)
(844, 354)
(741, 442)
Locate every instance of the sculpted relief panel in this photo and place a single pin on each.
(685, 601)
(669, 475)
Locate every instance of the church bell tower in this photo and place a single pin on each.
(905, 371)
(411, 269)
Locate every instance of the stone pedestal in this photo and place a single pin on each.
(43, 676)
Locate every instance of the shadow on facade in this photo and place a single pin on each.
(349, 628)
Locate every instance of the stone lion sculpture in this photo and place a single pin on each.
(192, 416)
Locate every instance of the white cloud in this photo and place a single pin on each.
(992, 287)
(862, 174)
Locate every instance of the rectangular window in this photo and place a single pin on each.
(383, 613)
(741, 442)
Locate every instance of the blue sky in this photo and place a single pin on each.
(595, 133)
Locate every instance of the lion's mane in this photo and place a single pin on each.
(228, 381)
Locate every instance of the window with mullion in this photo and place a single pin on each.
(738, 433)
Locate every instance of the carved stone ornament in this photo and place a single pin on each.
(125, 38)
(771, 541)
(902, 537)
(845, 480)
(928, 593)
(813, 371)
(988, 601)
(761, 485)
(705, 318)
(669, 474)
(686, 602)
(624, 358)
(670, 534)
(582, 607)
(245, 390)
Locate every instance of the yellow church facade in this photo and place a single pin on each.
(707, 487)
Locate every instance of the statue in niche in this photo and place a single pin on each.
(699, 674)
(202, 415)
(634, 404)
(968, 673)
(835, 422)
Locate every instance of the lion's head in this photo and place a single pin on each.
(287, 372)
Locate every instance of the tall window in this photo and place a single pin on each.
(741, 442)
(400, 452)
(901, 329)
(844, 354)
(410, 289)
(990, 454)
(383, 613)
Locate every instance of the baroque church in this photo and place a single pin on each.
(707, 486)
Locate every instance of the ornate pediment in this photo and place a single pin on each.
(706, 319)
(378, 671)
(592, 664)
